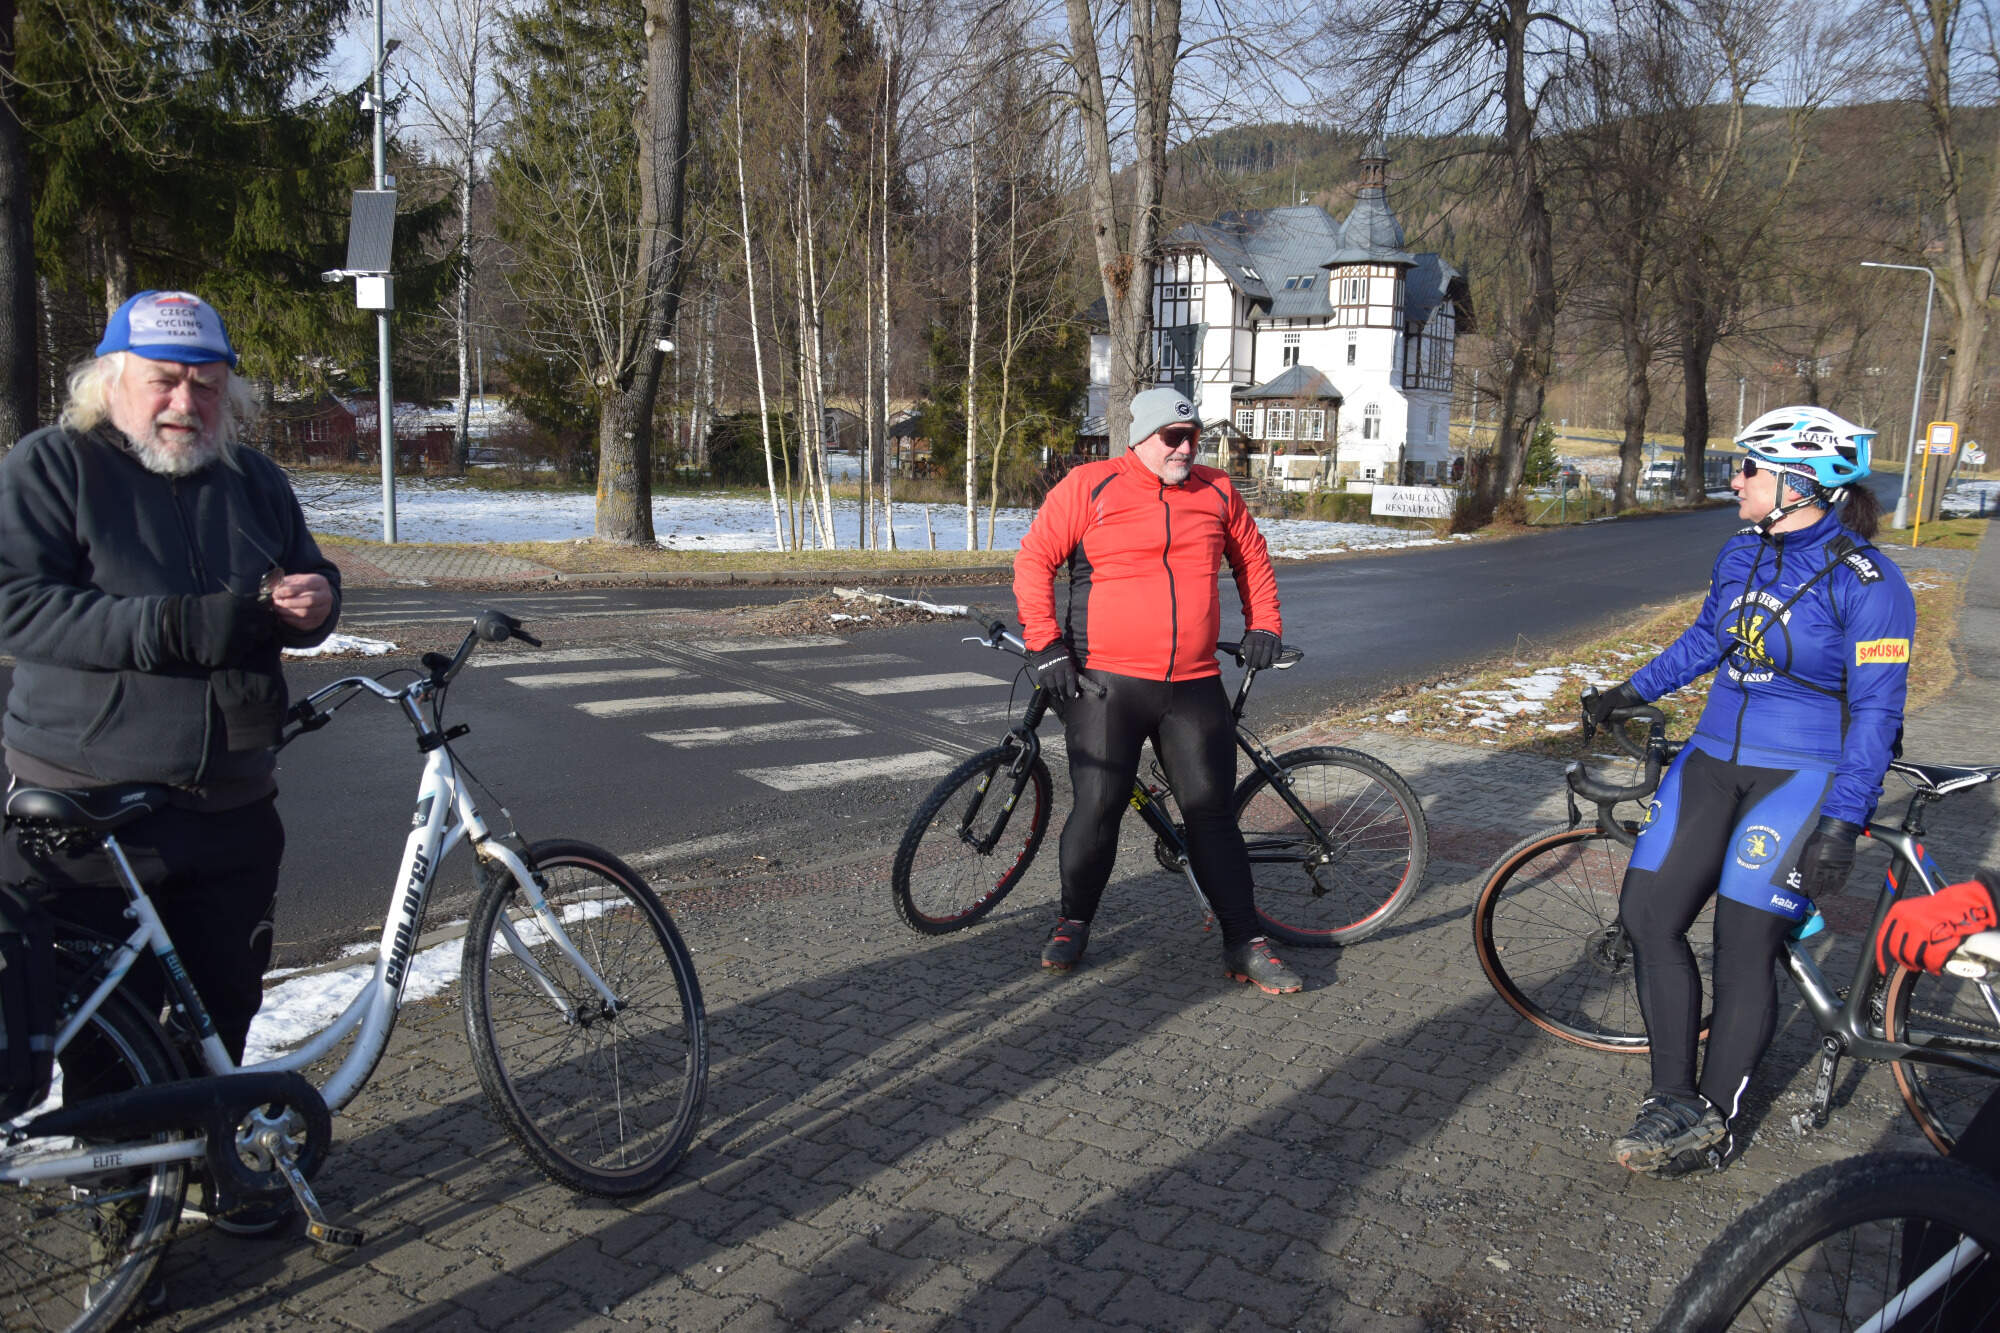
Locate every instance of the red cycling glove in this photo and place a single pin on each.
(1922, 932)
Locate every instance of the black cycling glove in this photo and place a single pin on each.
(1260, 649)
(1825, 857)
(216, 630)
(1599, 706)
(1055, 670)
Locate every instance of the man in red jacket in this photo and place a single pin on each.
(1144, 536)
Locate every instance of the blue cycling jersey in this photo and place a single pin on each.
(1812, 632)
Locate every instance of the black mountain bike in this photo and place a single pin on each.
(1336, 838)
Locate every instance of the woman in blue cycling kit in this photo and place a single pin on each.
(1808, 630)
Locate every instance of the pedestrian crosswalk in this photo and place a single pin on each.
(806, 713)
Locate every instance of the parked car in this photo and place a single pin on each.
(1660, 474)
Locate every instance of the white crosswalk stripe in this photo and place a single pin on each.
(809, 777)
(798, 729)
(946, 680)
(830, 663)
(553, 658)
(772, 645)
(978, 715)
(661, 703)
(570, 679)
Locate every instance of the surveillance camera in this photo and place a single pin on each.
(333, 275)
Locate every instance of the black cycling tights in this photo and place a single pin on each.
(1657, 910)
(1194, 736)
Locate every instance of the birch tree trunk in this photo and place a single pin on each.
(972, 366)
(756, 335)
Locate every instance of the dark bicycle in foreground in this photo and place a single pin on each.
(1337, 840)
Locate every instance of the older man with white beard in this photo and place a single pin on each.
(151, 570)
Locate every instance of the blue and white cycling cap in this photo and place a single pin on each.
(1810, 441)
(168, 326)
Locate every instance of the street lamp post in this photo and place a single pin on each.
(1902, 518)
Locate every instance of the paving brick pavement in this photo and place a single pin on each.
(915, 1133)
(911, 1133)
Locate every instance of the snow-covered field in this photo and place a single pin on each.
(1971, 497)
(443, 510)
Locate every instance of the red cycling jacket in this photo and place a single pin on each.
(1143, 559)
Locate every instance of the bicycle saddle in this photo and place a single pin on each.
(1942, 779)
(99, 809)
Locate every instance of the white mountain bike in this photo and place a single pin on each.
(581, 1007)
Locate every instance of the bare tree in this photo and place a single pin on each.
(1126, 255)
(456, 101)
(1457, 67)
(17, 255)
(1953, 40)
(625, 431)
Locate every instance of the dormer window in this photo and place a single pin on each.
(1291, 283)
(1305, 282)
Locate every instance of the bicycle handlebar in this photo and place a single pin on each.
(491, 626)
(1593, 788)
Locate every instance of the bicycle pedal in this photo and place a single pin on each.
(338, 1239)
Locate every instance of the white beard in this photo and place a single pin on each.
(175, 460)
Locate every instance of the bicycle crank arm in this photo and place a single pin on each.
(321, 1231)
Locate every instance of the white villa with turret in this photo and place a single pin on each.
(1314, 351)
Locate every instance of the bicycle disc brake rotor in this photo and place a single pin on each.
(1609, 951)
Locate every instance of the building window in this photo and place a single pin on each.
(1292, 283)
(1278, 423)
(1368, 474)
(1434, 423)
(1312, 424)
(1251, 273)
(1290, 350)
(1352, 339)
(1305, 282)
(1371, 422)
(1246, 421)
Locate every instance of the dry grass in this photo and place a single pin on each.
(1950, 534)
(593, 557)
(1471, 706)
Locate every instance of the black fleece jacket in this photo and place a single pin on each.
(94, 552)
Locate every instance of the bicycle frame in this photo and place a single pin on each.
(445, 816)
(1144, 799)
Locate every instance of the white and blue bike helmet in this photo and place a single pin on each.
(1818, 453)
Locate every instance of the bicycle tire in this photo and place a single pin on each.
(942, 881)
(1371, 861)
(1545, 930)
(605, 1103)
(1832, 1248)
(79, 1254)
(1941, 1099)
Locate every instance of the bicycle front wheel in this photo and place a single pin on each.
(602, 1094)
(1346, 873)
(1952, 1014)
(971, 841)
(80, 1251)
(1884, 1241)
(1545, 929)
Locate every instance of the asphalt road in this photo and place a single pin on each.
(794, 753)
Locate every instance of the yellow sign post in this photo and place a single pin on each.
(1940, 437)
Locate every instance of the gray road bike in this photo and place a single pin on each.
(581, 1007)
(1546, 931)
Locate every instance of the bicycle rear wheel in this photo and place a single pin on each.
(79, 1252)
(1349, 878)
(970, 841)
(1545, 929)
(1952, 1014)
(1850, 1243)
(603, 1097)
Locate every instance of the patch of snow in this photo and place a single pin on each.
(345, 643)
